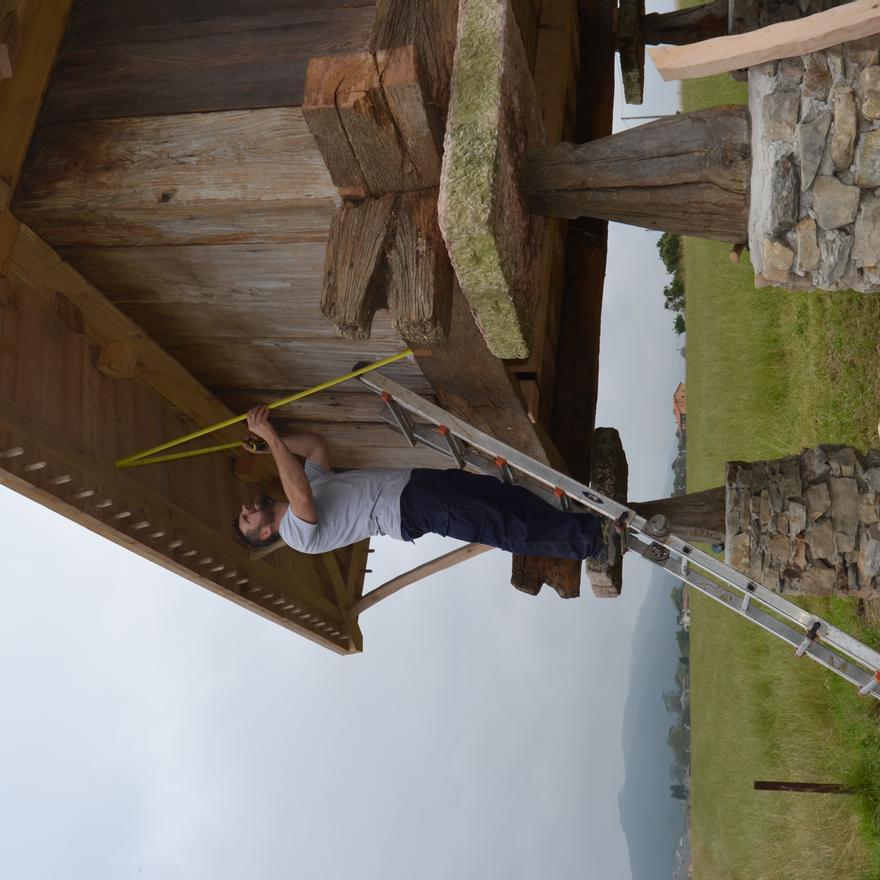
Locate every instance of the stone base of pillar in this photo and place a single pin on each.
(808, 524)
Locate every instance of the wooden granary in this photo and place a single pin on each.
(174, 228)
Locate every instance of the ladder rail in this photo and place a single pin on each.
(664, 546)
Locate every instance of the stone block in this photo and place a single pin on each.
(868, 160)
(844, 504)
(779, 112)
(807, 247)
(861, 53)
(835, 247)
(799, 556)
(814, 464)
(817, 77)
(764, 508)
(866, 238)
(790, 477)
(812, 134)
(789, 72)
(872, 478)
(818, 501)
(738, 552)
(820, 539)
(868, 508)
(843, 136)
(784, 189)
(797, 518)
(869, 554)
(780, 547)
(846, 462)
(835, 204)
(836, 63)
(817, 581)
(778, 260)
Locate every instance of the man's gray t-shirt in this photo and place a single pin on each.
(351, 506)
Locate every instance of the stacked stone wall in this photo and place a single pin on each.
(808, 524)
(814, 216)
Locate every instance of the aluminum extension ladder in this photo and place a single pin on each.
(811, 636)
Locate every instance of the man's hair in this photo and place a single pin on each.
(252, 538)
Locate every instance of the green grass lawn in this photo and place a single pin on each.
(769, 372)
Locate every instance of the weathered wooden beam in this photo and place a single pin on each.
(688, 174)
(420, 294)
(9, 40)
(8, 233)
(35, 264)
(193, 179)
(697, 516)
(41, 26)
(419, 573)
(493, 239)
(430, 26)
(355, 271)
(683, 26)
(788, 39)
(374, 121)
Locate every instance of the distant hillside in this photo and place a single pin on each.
(652, 821)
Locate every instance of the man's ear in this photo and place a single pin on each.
(265, 532)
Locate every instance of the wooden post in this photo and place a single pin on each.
(697, 516)
(441, 563)
(810, 787)
(687, 173)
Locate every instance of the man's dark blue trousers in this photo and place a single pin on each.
(484, 510)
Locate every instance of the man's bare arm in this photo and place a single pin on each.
(293, 478)
(312, 447)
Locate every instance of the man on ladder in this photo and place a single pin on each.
(326, 510)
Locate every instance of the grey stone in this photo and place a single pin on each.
(861, 53)
(799, 557)
(778, 260)
(764, 508)
(790, 481)
(784, 186)
(869, 80)
(818, 501)
(846, 461)
(868, 160)
(869, 554)
(780, 547)
(835, 247)
(834, 59)
(846, 544)
(866, 238)
(782, 523)
(843, 138)
(732, 522)
(834, 203)
(797, 518)
(812, 134)
(871, 106)
(844, 504)
(820, 538)
(817, 581)
(777, 498)
(771, 578)
(790, 71)
(815, 464)
(807, 247)
(744, 477)
(779, 112)
(868, 508)
(738, 552)
(872, 478)
(817, 76)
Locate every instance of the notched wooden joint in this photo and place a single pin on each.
(118, 359)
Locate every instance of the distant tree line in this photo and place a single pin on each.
(677, 703)
(671, 254)
(679, 466)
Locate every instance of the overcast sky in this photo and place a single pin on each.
(153, 730)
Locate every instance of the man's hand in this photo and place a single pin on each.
(259, 425)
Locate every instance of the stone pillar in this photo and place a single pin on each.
(814, 215)
(807, 524)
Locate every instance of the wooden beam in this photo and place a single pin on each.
(195, 179)
(9, 40)
(41, 28)
(420, 293)
(420, 572)
(340, 590)
(8, 233)
(118, 360)
(36, 265)
(788, 39)
(354, 268)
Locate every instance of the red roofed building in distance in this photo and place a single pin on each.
(679, 407)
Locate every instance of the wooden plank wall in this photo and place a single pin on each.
(172, 166)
